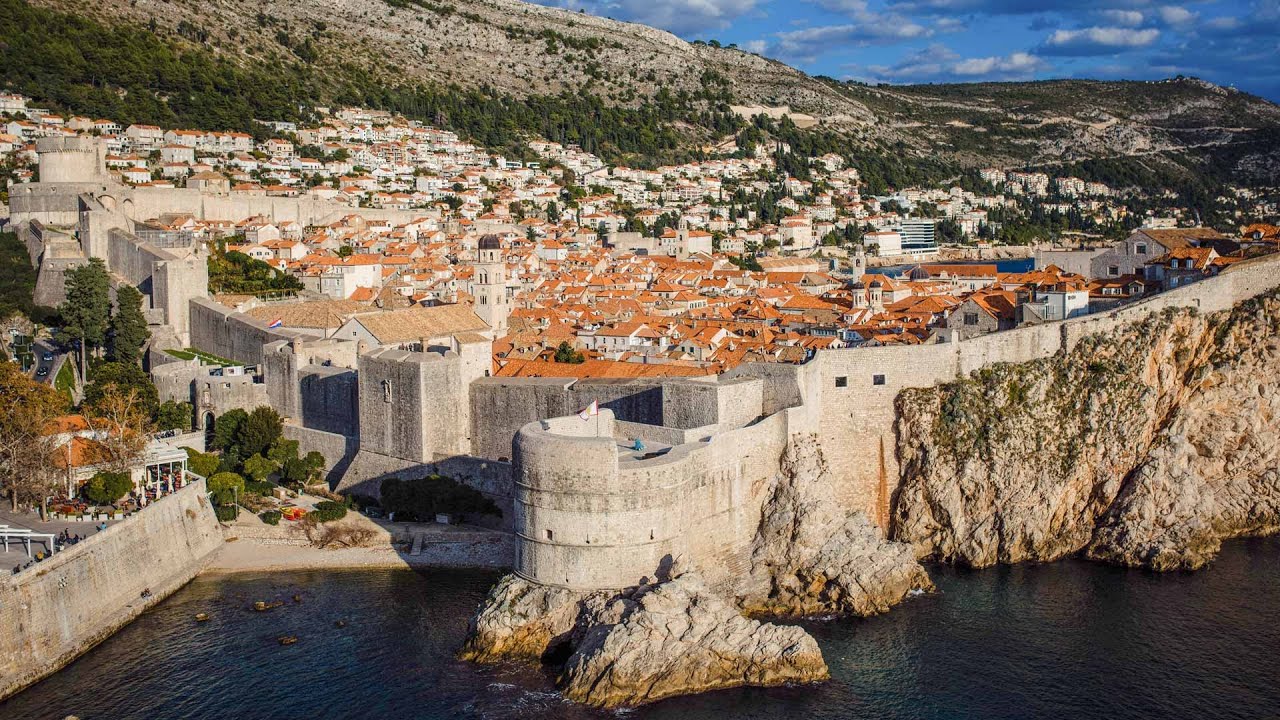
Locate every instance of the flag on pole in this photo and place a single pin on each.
(276, 323)
(588, 411)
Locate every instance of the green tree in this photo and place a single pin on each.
(259, 467)
(203, 464)
(87, 309)
(119, 378)
(107, 487)
(226, 428)
(128, 327)
(226, 487)
(283, 450)
(174, 416)
(566, 354)
(260, 429)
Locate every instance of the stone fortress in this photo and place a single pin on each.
(591, 512)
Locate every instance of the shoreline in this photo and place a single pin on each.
(490, 551)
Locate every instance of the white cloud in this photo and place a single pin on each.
(1123, 18)
(807, 44)
(1098, 40)
(938, 63)
(1018, 63)
(1176, 15)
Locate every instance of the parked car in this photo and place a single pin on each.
(47, 357)
(43, 371)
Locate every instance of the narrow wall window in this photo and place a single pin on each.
(550, 536)
(877, 379)
(842, 381)
(386, 391)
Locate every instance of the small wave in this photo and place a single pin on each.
(501, 686)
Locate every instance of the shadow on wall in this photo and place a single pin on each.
(492, 479)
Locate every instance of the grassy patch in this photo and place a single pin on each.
(204, 357)
(65, 381)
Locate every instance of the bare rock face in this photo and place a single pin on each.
(677, 638)
(1215, 472)
(640, 645)
(811, 558)
(1145, 447)
(520, 620)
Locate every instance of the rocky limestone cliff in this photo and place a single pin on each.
(520, 620)
(639, 645)
(1144, 447)
(810, 557)
(676, 638)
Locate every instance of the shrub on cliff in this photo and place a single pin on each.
(328, 511)
(107, 487)
(424, 498)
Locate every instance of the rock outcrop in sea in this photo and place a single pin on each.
(640, 645)
(1144, 447)
(679, 636)
(811, 557)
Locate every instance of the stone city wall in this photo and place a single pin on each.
(338, 449)
(58, 609)
(501, 406)
(143, 203)
(226, 333)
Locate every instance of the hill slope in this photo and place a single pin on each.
(603, 71)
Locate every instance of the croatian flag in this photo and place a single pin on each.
(588, 411)
(276, 323)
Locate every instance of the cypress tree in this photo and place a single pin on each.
(128, 327)
(87, 309)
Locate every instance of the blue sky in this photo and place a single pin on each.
(1229, 42)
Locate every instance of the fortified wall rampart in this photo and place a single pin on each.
(501, 406)
(226, 333)
(143, 203)
(590, 514)
(58, 609)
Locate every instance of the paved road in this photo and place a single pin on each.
(46, 370)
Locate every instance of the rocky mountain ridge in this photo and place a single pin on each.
(522, 49)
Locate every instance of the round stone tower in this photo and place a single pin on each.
(585, 519)
(71, 160)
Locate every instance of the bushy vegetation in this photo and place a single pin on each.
(226, 513)
(226, 487)
(18, 281)
(235, 272)
(327, 511)
(252, 444)
(106, 488)
(202, 464)
(422, 499)
(270, 517)
(174, 415)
